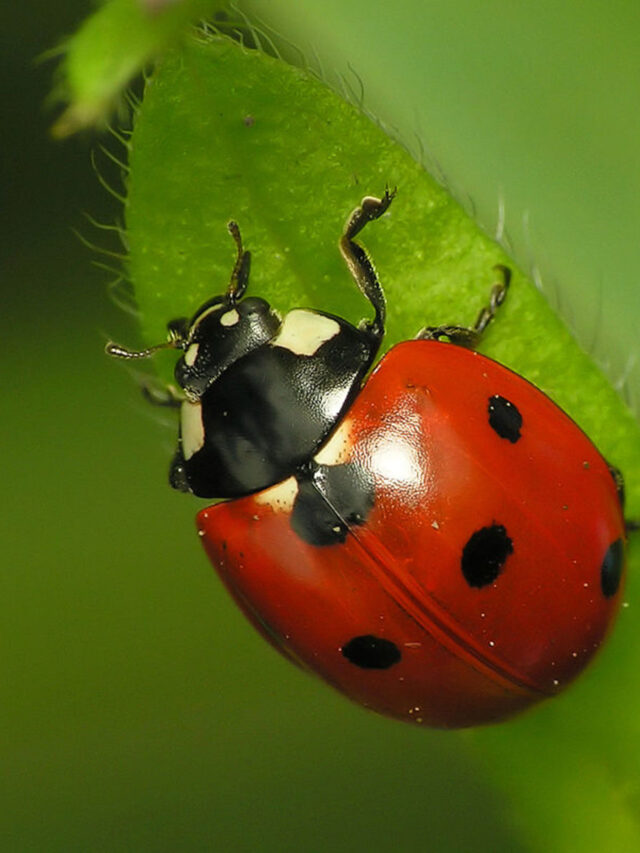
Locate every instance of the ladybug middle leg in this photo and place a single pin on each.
(331, 498)
(469, 336)
(358, 261)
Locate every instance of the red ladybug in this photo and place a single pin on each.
(441, 543)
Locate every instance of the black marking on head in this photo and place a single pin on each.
(330, 499)
(504, 418)
(370, 652)
(611, 568)
(220, 333)
(484, 555)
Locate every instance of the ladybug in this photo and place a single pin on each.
(439, 541)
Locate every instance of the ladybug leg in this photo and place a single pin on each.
(178, 479)
(469, 336)
(177, 329)
(496, 298)
(631, 524)
(618, 479)
(461, 335)
(358, 261)
(240, 273)
(162, 395)
(157, 395)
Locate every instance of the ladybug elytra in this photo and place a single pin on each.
(436, 538)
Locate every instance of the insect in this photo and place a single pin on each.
(439, 541)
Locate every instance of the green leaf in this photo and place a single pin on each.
(230, 133)
(225, 132)
(110, 48)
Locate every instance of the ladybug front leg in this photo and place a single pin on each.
(469, 336)
(358, 261)
(240, 273)
(167, 396)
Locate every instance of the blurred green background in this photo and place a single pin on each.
(140, 712)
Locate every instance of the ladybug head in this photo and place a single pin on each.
(222, 330)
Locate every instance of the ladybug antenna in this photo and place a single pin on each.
(240, 273)
(176, 341)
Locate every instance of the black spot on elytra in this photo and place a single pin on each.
(484, 555)
(504, 418)
(330, 499)
(611, 568)
(313, 519)
(370, 652)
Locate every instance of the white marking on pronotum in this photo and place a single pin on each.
(337, 449)
(230, 318)
(191, 354)
(191, 428)
(303, 332)
(280, 497)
